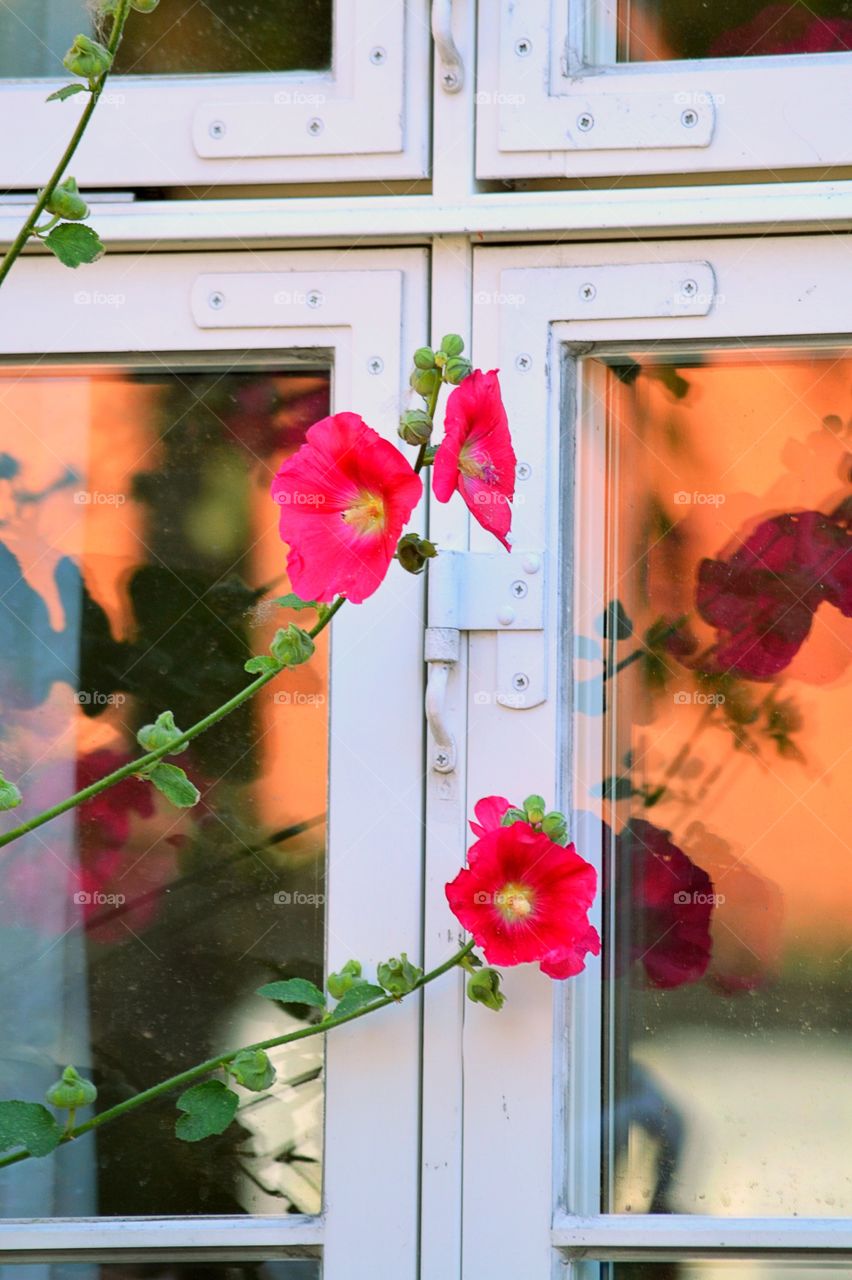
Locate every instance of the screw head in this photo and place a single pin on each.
(315, 299)
(216, 301)
(377, 55)
(519, 589)
(442, 759)
(506, 616)
(523, 47)
(375, 365)
(523, 471)
(585, 122)
(523, 362)
(688, 288)
(689, 118)
(216, 129)
(520, 682)
(315, 126)
(450, 80)
(588, 292)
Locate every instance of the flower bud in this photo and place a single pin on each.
(66, 201)
(339, 983)
(415, 427)
(10, 795)
(555, 826)
(398, 977)
(452, 345)
(252, 1069)
(456, 370)
(424, 358)
(511, 816)
(160, 734)
(87, 59)
(144, 6)
(535, 809)
(412, 552)
(425, 381)
(291, 646)
(71, 1091)
(483, 987)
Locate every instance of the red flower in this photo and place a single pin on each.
(476, 455)
(489, 813)
(526, 899)
(106, 816)
(785, 28)
(345, 498)
(670, 901)
(764, 597)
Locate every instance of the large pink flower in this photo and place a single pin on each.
(345, 498)
(476, 455)
(785, 28)
(489, 814)
(526, 899)
(763, 599)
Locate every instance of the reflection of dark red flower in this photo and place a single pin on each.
(763, 599)
(785, 28)
(263, 422)
(671, 902)
(106, 817)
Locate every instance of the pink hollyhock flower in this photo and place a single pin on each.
(785, 28)
(763, 599)
(345, 498)
(489, 814)
(107, 816)
(526, 899)
(476, 455)
(671, 902)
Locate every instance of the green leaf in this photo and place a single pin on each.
(252, 1069)
(293, 991)
(74, 244)
(614, 623)
(28, 1125)
(614, 789)
(67, 91)
(174, 784)
(291, 601)
(10, 796)
(357, 997)
(209, 1107)
(261, 665)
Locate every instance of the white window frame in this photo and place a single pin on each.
(539, 1113)
(307, 305)
(553, 103)
(366, 119)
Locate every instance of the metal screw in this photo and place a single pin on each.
(216, 129)
(585, 122)
(689, 118)
(587, 292)
(377, 55)
(506, 616)
(216, 301)
(519, 589)
(315, 299)
(315, 126)
(523, 362)
(450, 80)
(689, 288)
(523, 47)
(442, 759)
(520, 682)
(523, 471)
(375, 365)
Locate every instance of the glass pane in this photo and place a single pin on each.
(279, 1269)
(180, 37)
(715, 670)
(662, 30)
(735, 1270)
(139, 559)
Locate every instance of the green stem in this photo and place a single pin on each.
(14, 250)
(431, 408)
(144, 762)
(213, 1064)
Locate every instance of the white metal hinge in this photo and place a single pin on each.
(485, 591)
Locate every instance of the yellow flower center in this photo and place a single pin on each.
(515, 901)
(476, 466)
(367, 513)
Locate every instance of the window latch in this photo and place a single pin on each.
(452, 67)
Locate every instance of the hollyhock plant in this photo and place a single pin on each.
(525, 898)
(476, 458)
(344, 498)
(763, 599)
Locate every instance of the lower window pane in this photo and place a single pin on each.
(720, 661)
(734, 1270)
(139, 564)
(279, 1269)
(663, 30)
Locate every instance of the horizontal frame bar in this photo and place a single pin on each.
(155, 1239)
(613, 1237)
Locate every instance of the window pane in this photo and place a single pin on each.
(720, 658)
(179, 37)
(654, 30)
(139, 562)
(735, 1270)
(279, 1269)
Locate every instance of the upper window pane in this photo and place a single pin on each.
(180, 37)
(665, 30)
(720, 657)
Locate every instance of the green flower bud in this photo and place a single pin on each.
(398, 977)
(424, 358)
(425, 381)
(415, 427)
(339, 983)
(483, 987)
(412, 552)
(456, 370)
(252, 1069)
(535, 809)
(162, 733)
(555, 825)
(10, 795)
(71, 1091)
(144, 6)
(66, 201)
(291, 646)
(513, 815)
(87, 59)
(452, 345)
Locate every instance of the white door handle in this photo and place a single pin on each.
(452, 67)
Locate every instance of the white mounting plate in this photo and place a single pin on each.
(615, 122)
(620, 292)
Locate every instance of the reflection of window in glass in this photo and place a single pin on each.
(139, 565)
(179, 37)
(663, 30)
(721, 662)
